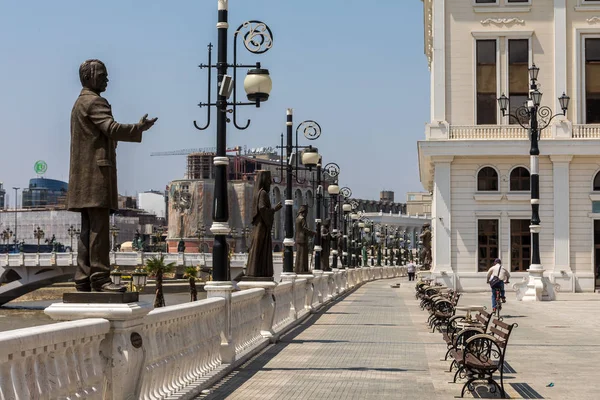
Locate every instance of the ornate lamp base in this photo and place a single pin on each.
(536, 287)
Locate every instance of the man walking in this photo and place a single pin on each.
(93, 175)
(411, 268)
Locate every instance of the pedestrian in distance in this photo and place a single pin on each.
(411, 269)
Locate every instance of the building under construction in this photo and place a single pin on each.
(242, 167)
(191, 222)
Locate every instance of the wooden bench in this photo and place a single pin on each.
(454, 336)
(483, 354)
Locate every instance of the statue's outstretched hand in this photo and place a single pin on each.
(278, 206)
(145, 123)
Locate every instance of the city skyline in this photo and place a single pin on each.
(356, 80)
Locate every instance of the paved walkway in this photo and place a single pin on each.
(374, 344)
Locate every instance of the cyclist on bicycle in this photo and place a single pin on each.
(496, 277)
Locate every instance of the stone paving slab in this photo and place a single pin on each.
(374, 344)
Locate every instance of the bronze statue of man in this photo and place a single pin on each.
(303, 233)
(93, 175)
(260, 257)
(325, 245)
(426, 252)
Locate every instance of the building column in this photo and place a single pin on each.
(440, 219)
(562, 261)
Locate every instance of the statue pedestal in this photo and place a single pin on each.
(101, 297)
(268, 305)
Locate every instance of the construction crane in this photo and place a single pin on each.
(185, 152)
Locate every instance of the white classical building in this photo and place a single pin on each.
(476, 162)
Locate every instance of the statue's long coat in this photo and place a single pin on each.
(93, 169)
(260, 258)
(302, 236)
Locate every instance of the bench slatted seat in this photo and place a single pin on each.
(454, 337)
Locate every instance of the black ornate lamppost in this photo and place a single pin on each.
(334, 192)
(38, 233)
(332, 170)
(534, 118)
(246, 231)
(310, 159)
(72, 232)
(352, 218)
(6, 235)
(257, 39)
(16, 189)
(114, 232)
(345, 192)
(157, 232)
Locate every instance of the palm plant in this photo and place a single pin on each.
(156, 266)
(192, 273)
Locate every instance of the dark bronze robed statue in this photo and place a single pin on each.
(303, 233)
(260, 257)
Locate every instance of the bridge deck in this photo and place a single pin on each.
(374, 344)
(362, 346)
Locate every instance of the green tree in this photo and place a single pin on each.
(156, 266)
(192, 273)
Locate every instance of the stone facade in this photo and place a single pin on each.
(459, 151)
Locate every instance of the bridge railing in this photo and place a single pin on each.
(183, 343)
(57, 361)
(171, 352)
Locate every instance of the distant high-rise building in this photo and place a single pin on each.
(45, 193)
(386, 195)
(127, 202)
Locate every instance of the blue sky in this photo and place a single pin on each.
(355, 66)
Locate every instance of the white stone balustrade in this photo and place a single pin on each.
(183, 343)
(181, 346)
(246, 318)
(283, 306)
(300, 297)
(58, 361)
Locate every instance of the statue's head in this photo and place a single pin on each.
(303, 210)
(93, 75)
(426, 226)
(263, 178)
(327, 222)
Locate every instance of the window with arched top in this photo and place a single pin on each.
(487, 179)
(520, 179)
(597, 182)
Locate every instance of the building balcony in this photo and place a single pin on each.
(563, 130)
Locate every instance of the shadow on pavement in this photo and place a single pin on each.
(234, 380)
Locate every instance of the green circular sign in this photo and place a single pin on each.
(40, 167)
